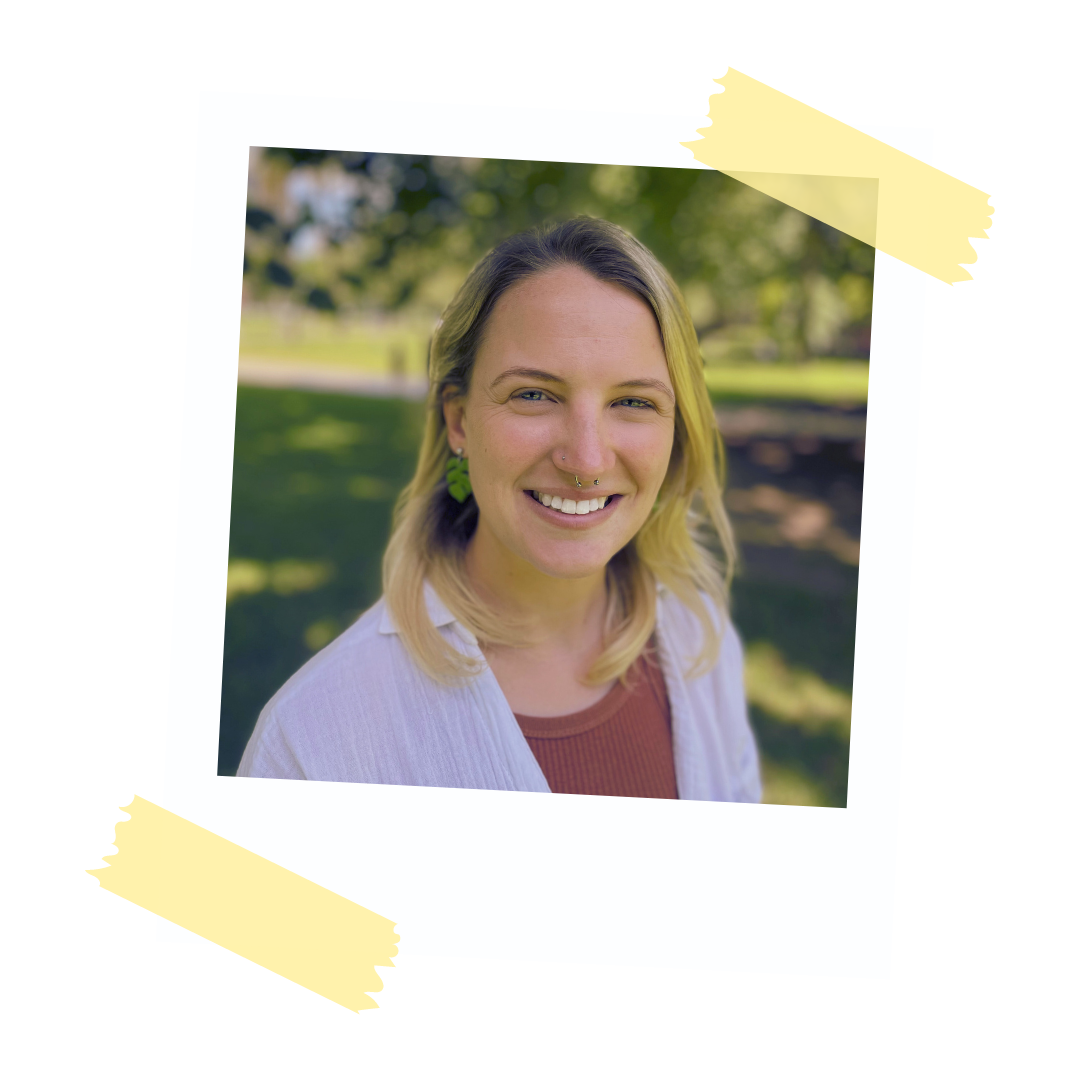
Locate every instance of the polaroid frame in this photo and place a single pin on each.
(515, 876)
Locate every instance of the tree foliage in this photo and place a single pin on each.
(388, 233)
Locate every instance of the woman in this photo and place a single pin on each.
(551, 621)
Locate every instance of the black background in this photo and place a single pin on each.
(129, 516)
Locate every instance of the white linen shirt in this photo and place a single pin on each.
(361, 711)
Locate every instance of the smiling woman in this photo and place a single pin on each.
(554, 614)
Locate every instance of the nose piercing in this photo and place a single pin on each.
(577, 481)
(597, 481)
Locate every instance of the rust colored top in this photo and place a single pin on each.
(619, 746)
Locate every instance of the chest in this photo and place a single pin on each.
(546, 682)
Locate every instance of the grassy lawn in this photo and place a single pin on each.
(314, 480)
(820, 381)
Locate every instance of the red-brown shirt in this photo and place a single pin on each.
(619, 746)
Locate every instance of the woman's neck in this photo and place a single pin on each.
(547, 608)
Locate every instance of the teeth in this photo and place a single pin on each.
(571, 506)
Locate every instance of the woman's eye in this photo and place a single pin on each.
(540, 395)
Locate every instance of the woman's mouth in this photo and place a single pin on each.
(577, 507)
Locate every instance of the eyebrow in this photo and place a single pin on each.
(654, 384)
(546, 376)
(526, 373)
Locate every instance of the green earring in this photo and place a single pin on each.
(457, 477)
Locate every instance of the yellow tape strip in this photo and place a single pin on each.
(250, 905)
(840, 176)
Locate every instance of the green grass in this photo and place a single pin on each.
(822, 381)
(315, 476)
(804, 758)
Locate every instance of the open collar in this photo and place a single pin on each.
(437, 611)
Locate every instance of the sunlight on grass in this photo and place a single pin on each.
(817, 380)
(793, 695)
(246, 577)
(370, 488)
(285, 577)
(786, 787)
(326, 433)
(320, 634)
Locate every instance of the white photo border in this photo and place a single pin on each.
(509, 875)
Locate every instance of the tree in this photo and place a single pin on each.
(343, 231)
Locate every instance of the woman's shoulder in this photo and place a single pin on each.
(682, 621)
(364, 652)
(716, 742)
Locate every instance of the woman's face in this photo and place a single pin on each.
(570, 379)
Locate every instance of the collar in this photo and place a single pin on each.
(437, 611)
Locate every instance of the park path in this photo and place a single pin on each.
(738, 423)
(283, 375)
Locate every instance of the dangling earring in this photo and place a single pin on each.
(457, 476)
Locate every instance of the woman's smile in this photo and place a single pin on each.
(582, 512)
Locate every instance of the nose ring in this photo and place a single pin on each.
(596, 481)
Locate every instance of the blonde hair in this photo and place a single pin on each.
(431, 530)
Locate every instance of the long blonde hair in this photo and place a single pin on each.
(431, 530)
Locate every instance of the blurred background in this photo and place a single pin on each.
(349, 259)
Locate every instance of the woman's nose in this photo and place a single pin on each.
(583, 451)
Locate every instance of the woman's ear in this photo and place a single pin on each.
(453, 407)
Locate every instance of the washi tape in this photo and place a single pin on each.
(247, 904)
(832, 172)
